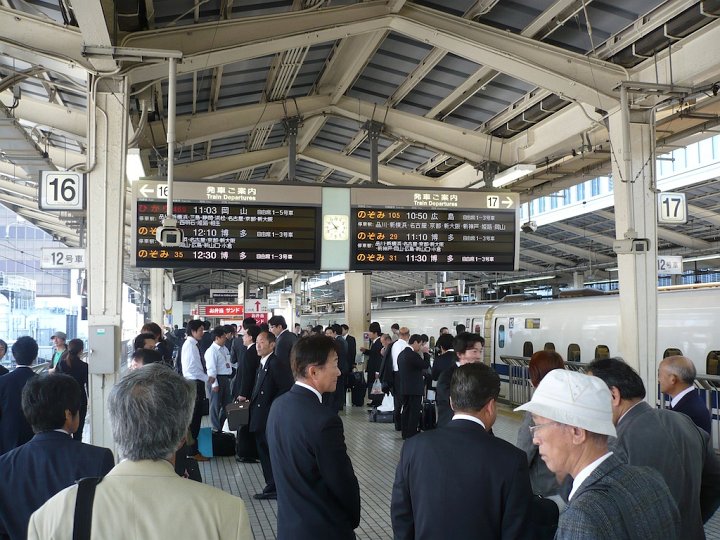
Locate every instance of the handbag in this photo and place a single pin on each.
(377, 388)
(238, 414)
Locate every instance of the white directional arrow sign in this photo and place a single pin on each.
(146, 191)
(508, 202)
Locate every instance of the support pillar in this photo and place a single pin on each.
(106, 213)
(357, 303)
(157, 294)
(374, 130)
(633, 170)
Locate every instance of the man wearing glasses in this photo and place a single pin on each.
(573, 419)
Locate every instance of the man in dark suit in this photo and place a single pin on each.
(51, 460)
(284, 338)
(676, 376)
(411, 365)
(318, 493)
(374, 356)
(245, 446)
(336, 400)
(446, 356)
(481, 491)
(274, 378)
(351, 345)
(387, 375)
(469, 349)
(14, 428)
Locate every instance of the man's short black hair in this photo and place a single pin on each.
(277, 320)
(375, 328)
(395, 326)
(229, 329)
(318, 329)
(425, 338)
(467, 340)
(615, 372)
(218, 331)
(194, 325)
(270, 336)
(473, 386)
(337, 329)
(264, 327)
(206, 324)
(248, 322)
(460, 328)
(253, 331)
(147, 356)
(45, 398)
(415, 338)
(311, 350)
(25, 350)
(445, 342)
(345, 327)
(139, 341)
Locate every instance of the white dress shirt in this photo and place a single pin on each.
(191, 363)
(399, 346)
(217, 362)
(461, 416)
(319, 396)
(586, 472)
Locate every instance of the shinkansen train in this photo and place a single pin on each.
(580, 329)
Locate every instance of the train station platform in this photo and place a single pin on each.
(374, 450)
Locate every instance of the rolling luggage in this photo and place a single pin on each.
(223, 443)
(358, 389)
(381, 417)
(428, 418)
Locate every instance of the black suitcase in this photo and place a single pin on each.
(358, 395)
(428, 419)
(223, 443)
(381, 417)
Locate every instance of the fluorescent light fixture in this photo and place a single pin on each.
(511, 174)
(134, 169)
(397, 295)
(278, 280)
(525, 280)
(702, 258)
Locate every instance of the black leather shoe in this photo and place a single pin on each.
(265, 496)
(245, 460)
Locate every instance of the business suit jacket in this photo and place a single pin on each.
(694, 406)
(442, 396)
(237, 357)
(620, 501)
(460, 482)
(14, 428)
(387, 375)
(3, 370)
(343, 362)
(40, 468)
(273, 380)
(351, 349)
(132, 502)
(442, 362)
(374, 360)
(410, 370)
(284, 344)
(251, 363)
(674, 446)
(318, 493)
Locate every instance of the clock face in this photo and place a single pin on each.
(336, 227)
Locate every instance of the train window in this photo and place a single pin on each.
(711, 365)
(672, 351)
(501, 336)
(549, 347)
(573, 354)
(602, 351)
(527, 349)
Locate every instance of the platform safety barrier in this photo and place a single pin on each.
(520, 390)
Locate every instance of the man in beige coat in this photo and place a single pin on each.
(142, 497)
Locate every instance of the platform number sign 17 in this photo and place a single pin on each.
(672, 208)
(61, 190)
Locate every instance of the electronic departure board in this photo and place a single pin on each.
(229, 225)
(448, 230)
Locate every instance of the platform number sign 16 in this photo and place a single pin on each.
(62, 190)
(672, 208)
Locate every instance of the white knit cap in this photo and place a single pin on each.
(574, 399)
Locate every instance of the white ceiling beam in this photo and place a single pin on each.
(67, 120)
(668, 235)
(572, 250)
(208, 45)
(696, 212)
(94, 30)
(216, 167)
(530, 267)
(68, 69)
(550, 259)
(571, 75)
(361, 167)
(584, 235)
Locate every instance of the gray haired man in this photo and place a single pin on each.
(573, 419)
(149, 409)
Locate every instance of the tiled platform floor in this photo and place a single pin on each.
(374, 450)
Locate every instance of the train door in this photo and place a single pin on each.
(502, 332)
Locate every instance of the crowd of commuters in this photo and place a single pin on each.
(593, 459)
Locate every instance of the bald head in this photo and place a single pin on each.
(675, 374)
(404, 332)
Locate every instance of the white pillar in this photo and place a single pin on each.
(157, 295)
(357, 303)
(578, 280)
(106, 241)
(636, 227)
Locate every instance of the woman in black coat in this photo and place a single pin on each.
(71, 364)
